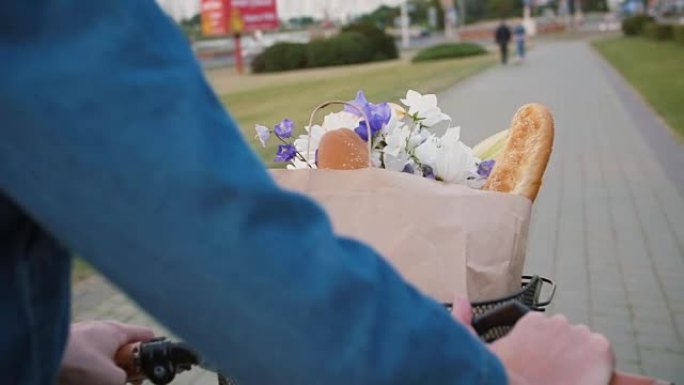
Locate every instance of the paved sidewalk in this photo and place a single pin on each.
(608, 225)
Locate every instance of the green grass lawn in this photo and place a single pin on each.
(296, 99)
(655, 69)
(80, 270)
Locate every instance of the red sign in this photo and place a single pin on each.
(214, 17)
(222, 17)
(251, 15)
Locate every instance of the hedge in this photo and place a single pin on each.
(345, 48)
(633, 25)
(357, 43)
(657, 31)
(281, 57)
(382, 45)
(449, 50)
(678, 33)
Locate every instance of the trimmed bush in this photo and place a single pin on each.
(357, 43)
(657, 31)
(678, 33)
(382, 45)
(448, 51)
(281, 57)
(633, 25)
(345, 48)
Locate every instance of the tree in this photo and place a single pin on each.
(504, 8)
(419, 12)
(594, 5)
(382, 17)
(479, 10)
(192, 27)
(192, 22)
(301, 21)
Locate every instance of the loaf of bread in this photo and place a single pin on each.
(342, 149)
(520, 167)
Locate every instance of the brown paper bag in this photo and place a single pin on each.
(444, 239)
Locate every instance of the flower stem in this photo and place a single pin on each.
(301, 157)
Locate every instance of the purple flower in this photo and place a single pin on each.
(485, 168)
(360, 103)
(378, 114)
(362, 130)
(284, 129)
(286, 152)
(428, 172)
(409, 169)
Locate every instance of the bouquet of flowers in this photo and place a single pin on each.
(435, 208)
(403, 138)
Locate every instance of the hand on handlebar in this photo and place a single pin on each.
(549, 350)
(89, 356)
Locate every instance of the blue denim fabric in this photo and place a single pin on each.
(113, 143)
(34, 299)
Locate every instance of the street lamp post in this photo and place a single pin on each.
(449, 16)
(579, 13)
(405, 38)
(528, 21)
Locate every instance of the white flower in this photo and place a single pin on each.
(396, 163)
(262, 133)
(418, 136)
(376, 158)
(396, 116)
(425, 108)
(396, 140)
(427, 151)
(455, 161)
(342, 119)
(476, 182)
(309, 141)
(452, 135)
(397, 111)
(298, 163)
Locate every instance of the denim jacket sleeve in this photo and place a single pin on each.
(114, 142)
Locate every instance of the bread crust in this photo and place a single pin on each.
(520, 168)
(342, 149)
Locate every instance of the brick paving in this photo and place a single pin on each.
(608, 225)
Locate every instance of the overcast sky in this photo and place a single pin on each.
(288, 8)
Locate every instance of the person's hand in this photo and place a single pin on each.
(549, 350)
(542, 350)
(89, 356)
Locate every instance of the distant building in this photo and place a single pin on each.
(666, 7)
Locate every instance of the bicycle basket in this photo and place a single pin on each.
(531, 289)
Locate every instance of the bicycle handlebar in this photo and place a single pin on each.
(159, 360)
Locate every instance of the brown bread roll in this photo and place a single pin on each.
(342, 149)
(520, 167)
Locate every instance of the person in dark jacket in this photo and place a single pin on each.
(503, 37)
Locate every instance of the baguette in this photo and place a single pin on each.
(520, 168)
